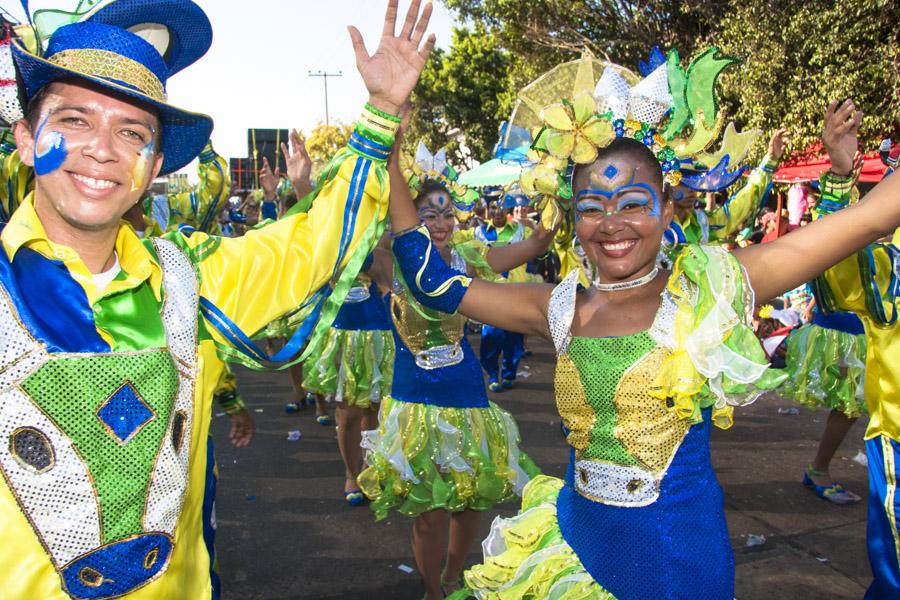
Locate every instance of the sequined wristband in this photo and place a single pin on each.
(430, 280)
(769, 164)
(231, 403)
(380, 113)
(375, 131)
(836, 192)
(207, 154)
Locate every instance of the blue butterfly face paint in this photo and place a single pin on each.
(604, 199)
(49, 149)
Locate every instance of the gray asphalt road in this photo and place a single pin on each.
(285, 532)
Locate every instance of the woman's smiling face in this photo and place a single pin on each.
(621, 212)
(436, 213)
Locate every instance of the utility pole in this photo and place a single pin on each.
(324, 75)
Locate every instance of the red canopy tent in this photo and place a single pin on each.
(816, 163)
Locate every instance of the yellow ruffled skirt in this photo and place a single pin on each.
(526, 557)
(424, 457)
(355, 367)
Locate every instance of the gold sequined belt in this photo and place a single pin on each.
(357, 294)
(439, 356)
(617, 485)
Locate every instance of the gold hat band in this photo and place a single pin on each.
(109, 65)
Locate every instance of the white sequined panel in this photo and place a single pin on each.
(561, 312)
(49, 478)
(182, 298)
(20, 352)
(617, 485)
(169, 479)
(663, 329)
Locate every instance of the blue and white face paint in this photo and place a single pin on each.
(49, 148)
(615, 192)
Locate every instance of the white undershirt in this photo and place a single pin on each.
(102, 280)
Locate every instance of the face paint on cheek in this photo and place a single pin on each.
(49, 150)
(656, 209)
(140, 168)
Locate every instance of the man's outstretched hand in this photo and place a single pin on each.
(391, 73)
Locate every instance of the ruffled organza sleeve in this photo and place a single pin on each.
(717, 359)
(474, 252)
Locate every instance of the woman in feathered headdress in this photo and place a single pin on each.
(647, 359)
(442, 452)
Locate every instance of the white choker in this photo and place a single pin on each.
(627, 285)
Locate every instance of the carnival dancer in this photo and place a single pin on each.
(498, 230)
(442, 452)
(866, 284)
(826, 365)
(284, 191)
(196, 208)
(355, 369)
(110, 376)
(693, 225)
(16, 179)
(647, 360)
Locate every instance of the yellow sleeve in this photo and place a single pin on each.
(275, 270)
(743, 204)
(853, 284)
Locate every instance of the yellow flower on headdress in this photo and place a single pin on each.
(574, 130)
(765, 311)
(544, 177)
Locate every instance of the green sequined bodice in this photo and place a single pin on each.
(602, 393)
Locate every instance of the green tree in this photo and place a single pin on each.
(462, 96)
(800, 55)
(543, 33)
(324, 142)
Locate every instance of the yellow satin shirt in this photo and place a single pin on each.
(253, 280)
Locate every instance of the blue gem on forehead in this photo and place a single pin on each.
(610, 172)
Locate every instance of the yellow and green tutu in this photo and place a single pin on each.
(826, 368)
(356, 367)
(526, 557)
(425, 457)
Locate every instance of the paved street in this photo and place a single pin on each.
(285, 531)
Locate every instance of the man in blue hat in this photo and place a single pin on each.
(108, 340)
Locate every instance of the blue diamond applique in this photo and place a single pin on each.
(124, 413)
(610, 172)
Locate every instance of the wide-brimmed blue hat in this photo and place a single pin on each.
(123, 62)
(179, 29)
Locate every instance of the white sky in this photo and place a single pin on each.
(255, 75)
